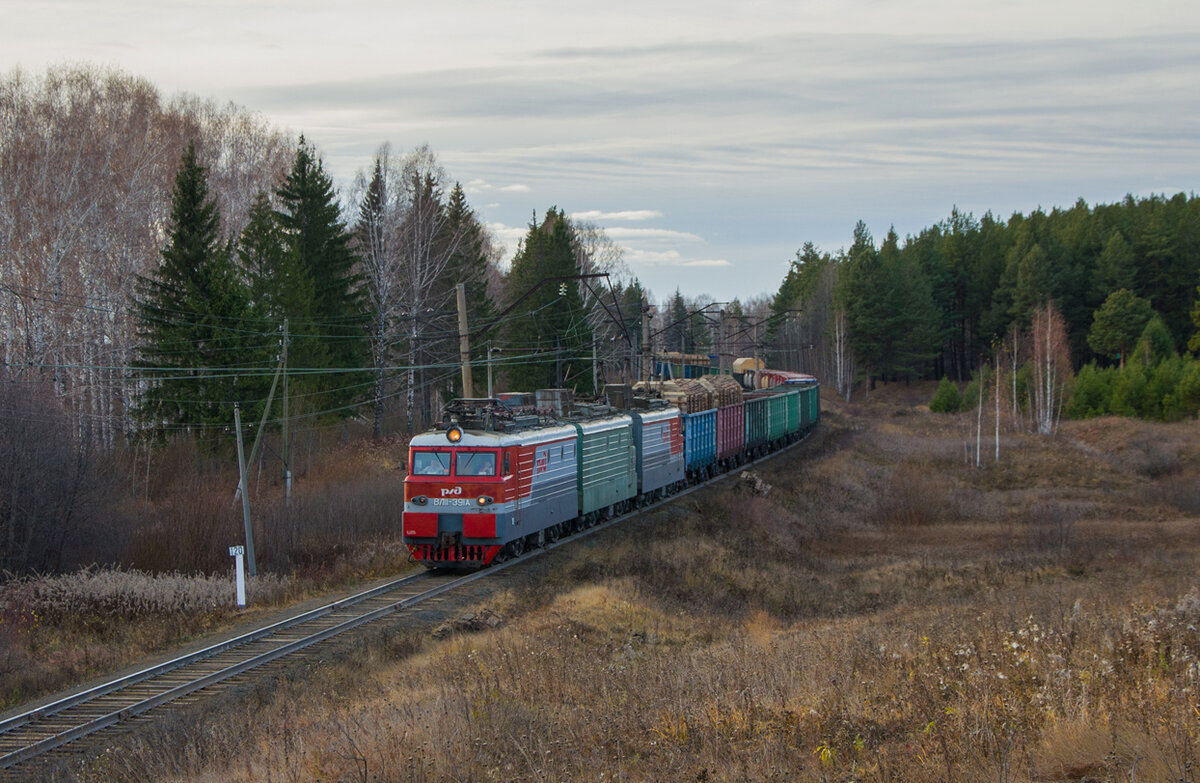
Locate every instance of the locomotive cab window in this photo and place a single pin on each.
(475, 463)
(431, 463)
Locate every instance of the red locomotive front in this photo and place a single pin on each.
(455, 497)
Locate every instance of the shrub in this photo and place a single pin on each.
(1189, 387)
(947, 398)
(1091, 394)
(110, 595)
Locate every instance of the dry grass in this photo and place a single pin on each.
(886, 613)
(341, 528)
(56, 631)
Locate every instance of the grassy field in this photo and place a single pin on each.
(887, 611)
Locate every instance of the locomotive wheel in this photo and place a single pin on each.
(516, 547)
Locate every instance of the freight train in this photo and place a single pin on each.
(499, 477)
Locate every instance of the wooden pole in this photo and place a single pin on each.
(464, 341)
(244, 487)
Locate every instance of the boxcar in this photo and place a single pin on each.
(658, 438)
(812, 405)
(700, 440)
(731, 432)
(756, 423)
(792, 405)
(607, 465)
(777, 419)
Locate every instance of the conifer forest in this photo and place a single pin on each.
(162, 260)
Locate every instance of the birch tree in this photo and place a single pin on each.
(415, 245)
(1051, 366)
(87, 160)
(596, 253)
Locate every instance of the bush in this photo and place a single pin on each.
(56, 491)
(1166, 391)
(1091, 394)
(1189, 387)
(1129, 391)
(947, 398)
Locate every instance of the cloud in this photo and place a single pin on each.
(508, 236)
(624, 234)
(629, 214)
(672, 258)
(483, 186)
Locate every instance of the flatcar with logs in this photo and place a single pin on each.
(498, 477)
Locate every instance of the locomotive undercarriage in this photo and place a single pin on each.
(450, 552)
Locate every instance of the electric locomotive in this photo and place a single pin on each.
(491, 482)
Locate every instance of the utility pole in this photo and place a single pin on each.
(287, 457)
(464, 342)
(491, 351)
(646, 342)
(720, 342)
(755, 344)
(237, 422)
(558, 363)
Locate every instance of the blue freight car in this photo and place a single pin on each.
(700, 441)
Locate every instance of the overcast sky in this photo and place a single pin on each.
(710, 139)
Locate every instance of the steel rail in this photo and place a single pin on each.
(125, 713)
(53, 708)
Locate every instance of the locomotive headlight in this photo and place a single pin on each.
(454, 434)
(484, 500)
(420, 500)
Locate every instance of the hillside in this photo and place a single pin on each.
(885, 612)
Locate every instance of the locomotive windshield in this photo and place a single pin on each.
(475, 463)
(431, 463)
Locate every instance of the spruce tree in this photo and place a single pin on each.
(199, 350)
(281, 294)
(319, 245)
(677, 337)
(553, 342)
(468, 264)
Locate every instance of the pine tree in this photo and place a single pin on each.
(862, 291)
(1118, 323)
(554, 338)
(1115, 268)
(911, 319)
(199, 352)
(319, 245)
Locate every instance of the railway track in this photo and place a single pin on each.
(37, 737)
(44, 732)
